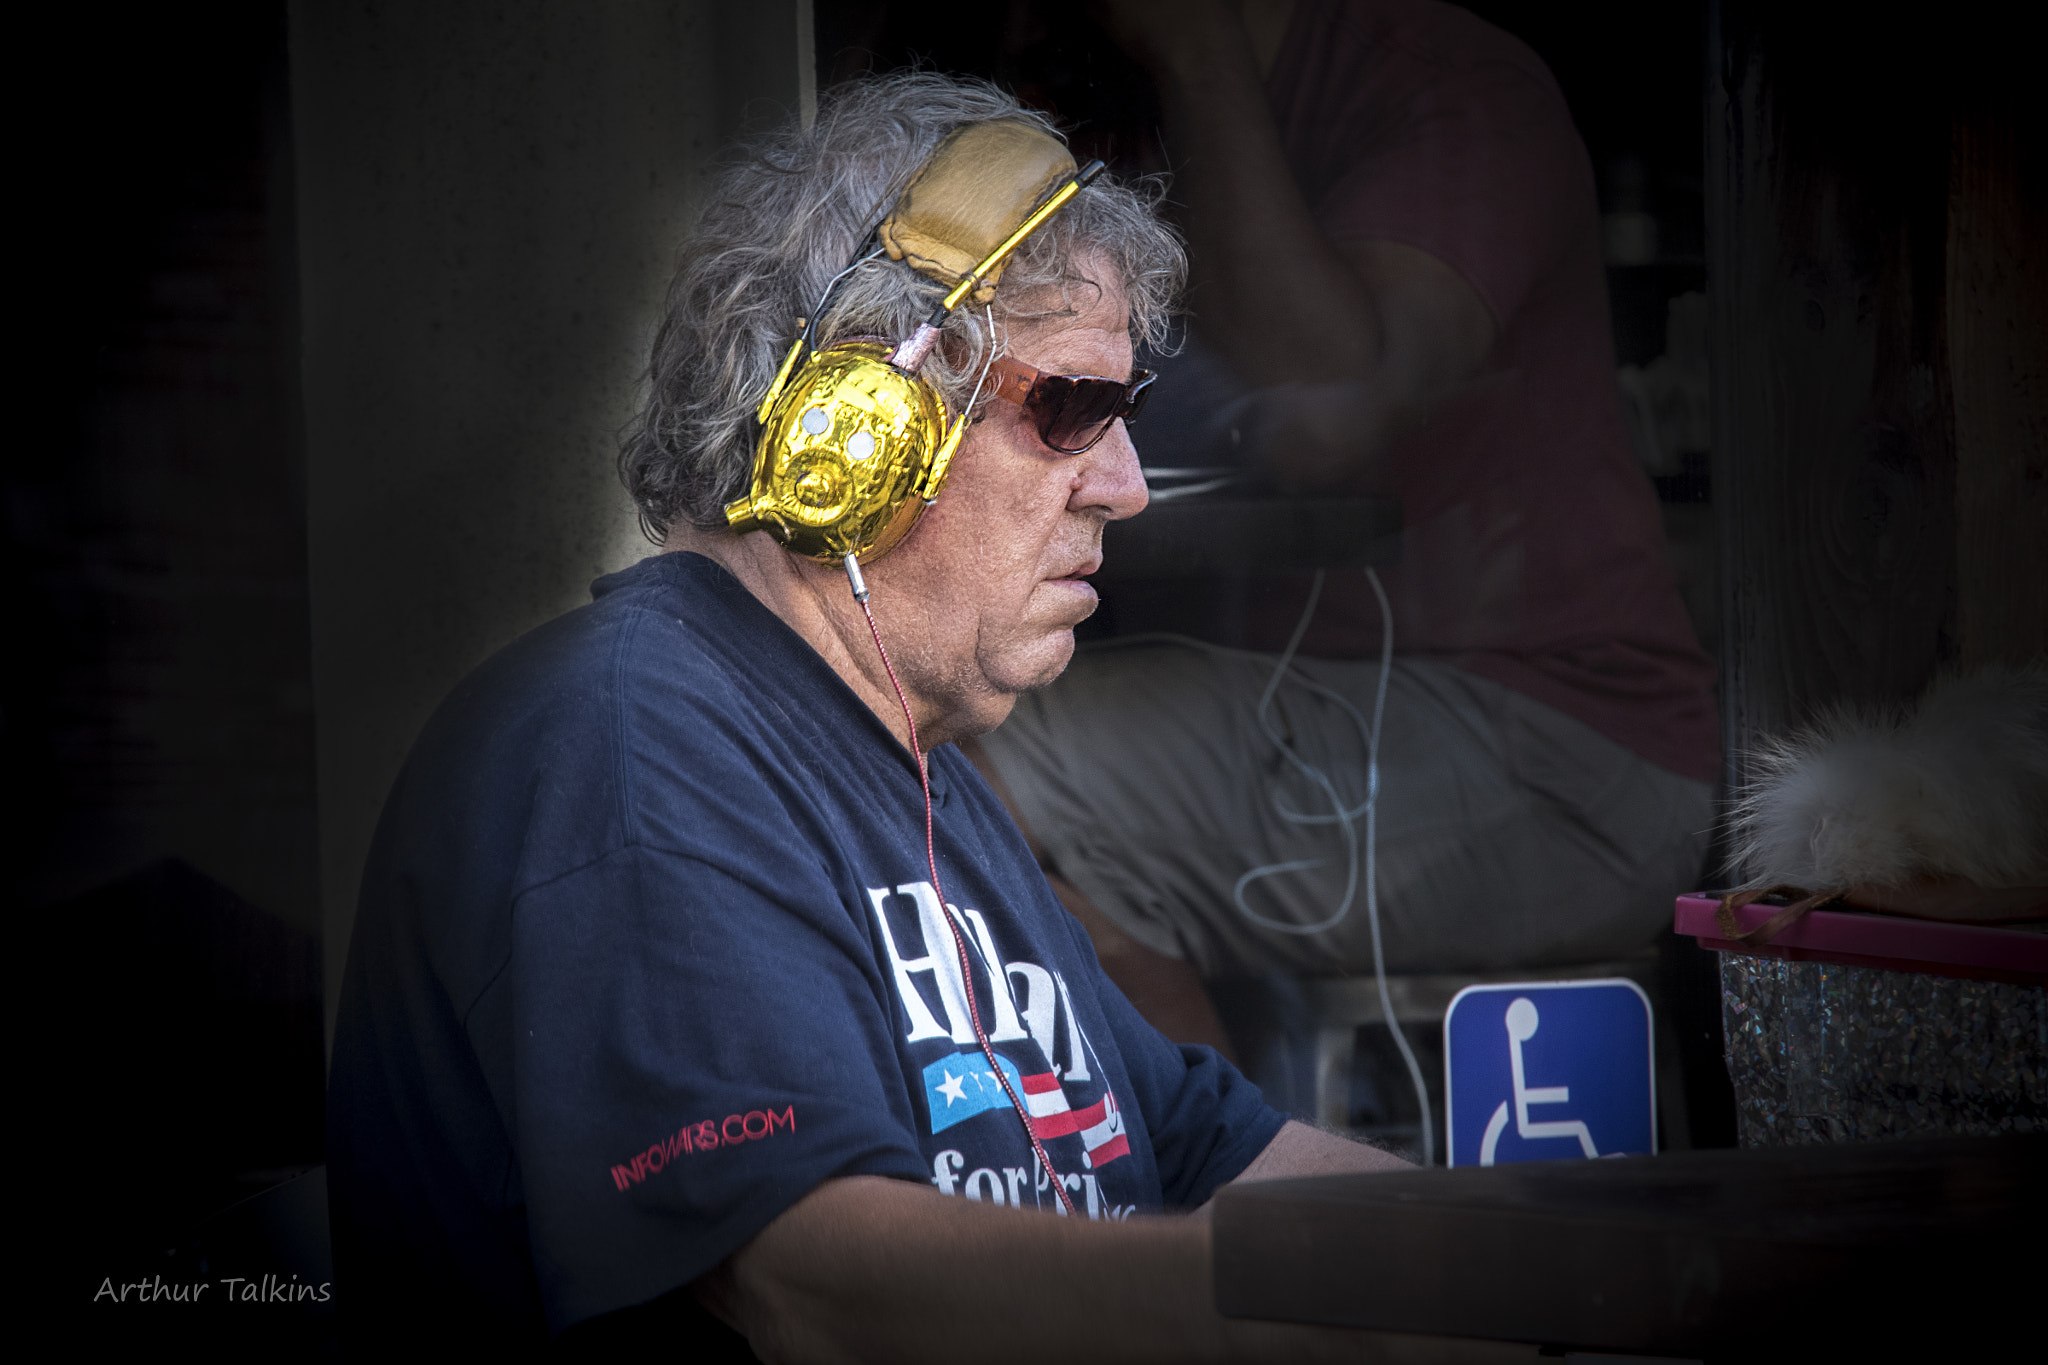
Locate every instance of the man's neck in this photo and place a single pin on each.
(814, 601)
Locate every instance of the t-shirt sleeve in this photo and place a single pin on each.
(1481, 173)
(695, 1047)
(1206, 1120)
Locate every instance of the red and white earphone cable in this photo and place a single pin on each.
(860, 595)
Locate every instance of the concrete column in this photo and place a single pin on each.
(490, 197)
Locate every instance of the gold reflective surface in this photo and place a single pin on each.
(850, 451)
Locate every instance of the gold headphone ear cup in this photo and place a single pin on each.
(767, 404)
(848, 446)
(942, 462)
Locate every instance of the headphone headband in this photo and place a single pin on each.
(854, 445)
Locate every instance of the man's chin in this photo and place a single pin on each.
(1062, 642)
(1040, 667)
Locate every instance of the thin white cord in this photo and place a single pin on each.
(1186, 481)
(1189, 490)
(986, 365)
(1343, 816)
(817, 317)
(1372, 898)
(1315, 775)
(1187, 471)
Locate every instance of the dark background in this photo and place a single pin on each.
(1633, 75)
(158, 713)
(158, 723)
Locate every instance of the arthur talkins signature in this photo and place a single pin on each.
(232, 1289)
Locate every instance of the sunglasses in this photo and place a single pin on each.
(1071, 411)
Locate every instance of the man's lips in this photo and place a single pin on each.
(1079, 592)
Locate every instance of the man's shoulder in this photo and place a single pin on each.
(675, 625)
(687, 653)
(670, 680)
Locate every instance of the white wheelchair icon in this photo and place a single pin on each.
(1521, 1023)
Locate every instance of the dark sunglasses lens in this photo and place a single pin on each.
(1073, 414)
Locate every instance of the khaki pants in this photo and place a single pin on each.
(1509, 834)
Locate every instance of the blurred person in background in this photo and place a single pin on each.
(1396, 291)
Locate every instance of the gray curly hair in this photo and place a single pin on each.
(790, 214)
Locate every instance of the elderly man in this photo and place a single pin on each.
(652, 1002)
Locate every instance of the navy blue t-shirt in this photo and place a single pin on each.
(647, 949)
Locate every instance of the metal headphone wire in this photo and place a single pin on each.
(972, 398)
(860, 595)
(825, 299)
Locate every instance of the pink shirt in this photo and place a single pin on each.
(1534, 551)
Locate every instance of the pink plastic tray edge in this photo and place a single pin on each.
(1909, 940)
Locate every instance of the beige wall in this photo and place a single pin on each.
(490, 196)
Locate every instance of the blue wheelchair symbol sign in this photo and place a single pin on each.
(1546, 1069)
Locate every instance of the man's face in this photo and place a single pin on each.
(980, 601)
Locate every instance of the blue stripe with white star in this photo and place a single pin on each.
(960, 1086)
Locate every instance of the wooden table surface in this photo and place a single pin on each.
(1735, 1255)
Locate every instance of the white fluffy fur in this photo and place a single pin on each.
(1956, 788)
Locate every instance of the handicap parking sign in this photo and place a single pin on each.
(1543, 1070)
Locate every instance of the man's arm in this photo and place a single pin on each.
(884, 1270)
(1299, 1150)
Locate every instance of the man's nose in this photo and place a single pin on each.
(1112, 480)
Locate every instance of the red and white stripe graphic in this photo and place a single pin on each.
(1105, 1141)
(1100, 1125)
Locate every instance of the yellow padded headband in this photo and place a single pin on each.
(978, 186)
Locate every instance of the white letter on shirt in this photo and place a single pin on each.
(940, 958)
